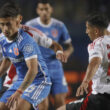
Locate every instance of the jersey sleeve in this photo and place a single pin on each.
(95, 50)
(65, 34)
(39, 37)
(29, 49)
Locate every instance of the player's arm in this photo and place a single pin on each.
(91, 70)
(66, 40)
(5, 64)
(32, 65)
(46, 42)
(42, 39)
(68, 49)
(95, 58)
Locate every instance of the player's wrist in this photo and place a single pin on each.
(59, 51)
(19, 91)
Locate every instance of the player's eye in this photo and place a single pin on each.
(1, 24)
(8, 24)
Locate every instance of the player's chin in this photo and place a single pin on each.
(7, 35)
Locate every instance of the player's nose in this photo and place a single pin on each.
(86, 31)
(5, 28)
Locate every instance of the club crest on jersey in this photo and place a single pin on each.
(16, 52)
(54, 33)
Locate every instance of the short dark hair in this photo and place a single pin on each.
(98, 19)
(45, 1)
(9, 9)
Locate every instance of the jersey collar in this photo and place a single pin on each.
(10, 41)
(43, 25)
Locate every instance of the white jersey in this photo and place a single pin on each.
(40, 38)
(101, 80)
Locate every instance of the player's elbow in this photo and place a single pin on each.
(33, 70)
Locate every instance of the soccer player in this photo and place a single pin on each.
(97, 70)
(56, 30)
(33, 83)
(42, 40)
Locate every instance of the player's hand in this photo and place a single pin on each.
(61, 56)
(83, 88)
(13, 100)
(67, 54)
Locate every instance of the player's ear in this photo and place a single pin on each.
(19, 18)
(52, 10)
(96, 31)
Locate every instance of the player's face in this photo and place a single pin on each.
(90, 30)
(44, 11)
(9, 26)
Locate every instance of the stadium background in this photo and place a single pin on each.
(73, 14)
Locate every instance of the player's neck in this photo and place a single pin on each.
(100, 34)
(13, 37)
(45, 22)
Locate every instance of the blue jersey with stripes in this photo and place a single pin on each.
(21, 49)
(57, 31)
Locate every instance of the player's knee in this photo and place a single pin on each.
(22, 108)
(44, 104)
(25, 105)
(2, 106)
(60, 100)
(62, 108)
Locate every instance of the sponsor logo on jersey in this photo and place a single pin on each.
(14, 60)
(10, 51)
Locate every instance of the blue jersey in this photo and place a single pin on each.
(21, 49)
(55, 30)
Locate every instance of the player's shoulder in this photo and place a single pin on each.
(32, 31)
(106, 39)
(95, 43)
(32, 22)
(23, 37)
(57, 22)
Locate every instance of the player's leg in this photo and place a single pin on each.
(59, 99)
(37, 93)
(44, 104)
(75, 105)
(3, 106)
(62, 107)
(3, 99)
(22, 105)
(91, 102)
(59, 87)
